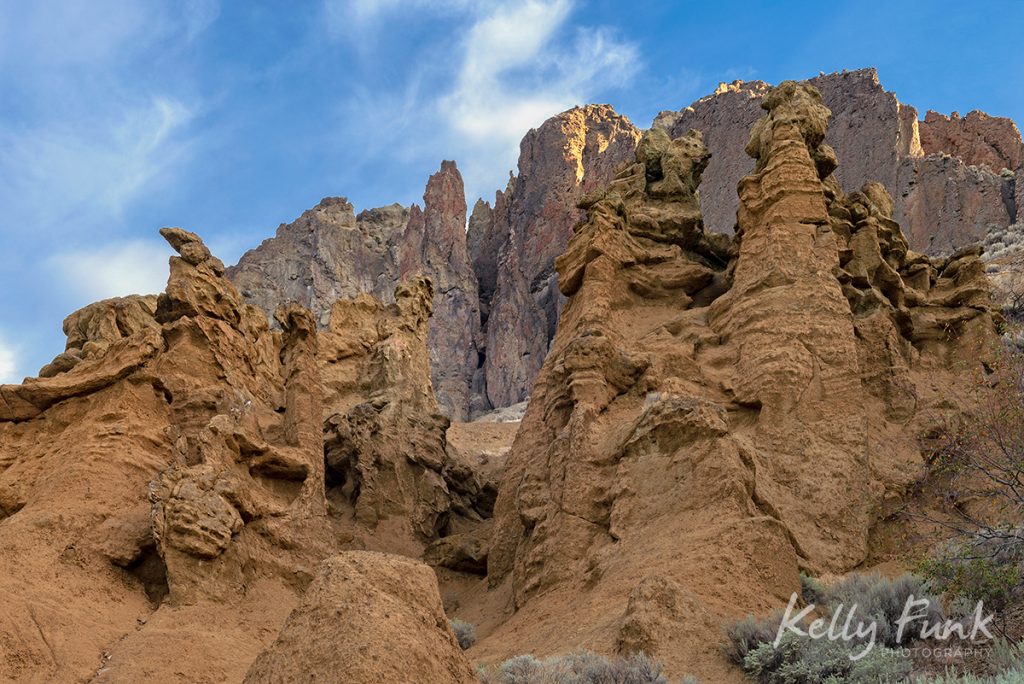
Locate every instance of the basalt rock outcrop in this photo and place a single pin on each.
(165, 499)
(943, 201)
(532, 220)
(718, 414)
(954, 181)
(978, 139)
(434, 246)
(330, 254)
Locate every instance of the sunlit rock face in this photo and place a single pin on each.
(329, 253)
(751, 402)
(939, 199)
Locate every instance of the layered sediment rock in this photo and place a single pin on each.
(386, 454)
(942, 203)
(168, 492)
(497, 307)
(716, 415)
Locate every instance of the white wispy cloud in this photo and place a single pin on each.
(517, 64)
(99, 108)
(352, 19)
(65, 174)
(112, 270)
(513, 75)
(8, 363)
(518, 68)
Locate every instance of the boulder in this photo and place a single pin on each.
(369, 618)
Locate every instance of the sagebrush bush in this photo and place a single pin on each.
(800, 660)
(1005, 663)
(977, 570)
(465, 633)
(582, 667)
(881, 600)
(746, 635)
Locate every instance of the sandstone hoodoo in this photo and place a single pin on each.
(532, 221)
(735, 337)
(942, 200)
(953, 181)
(718, 414)
(168, 489)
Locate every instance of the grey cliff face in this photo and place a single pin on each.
(953, 180)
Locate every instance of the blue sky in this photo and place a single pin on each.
(118, 117)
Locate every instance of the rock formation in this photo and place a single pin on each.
(191, 491)
(716, 415)
(941, 201)
(329, 254)
(567, 156)
(434, 245)
(164, 491)
(497, 308)
(368, 618)
(326, 254)
(978, 139)
(387, 461)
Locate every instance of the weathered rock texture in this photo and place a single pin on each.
(941, 201)
(979, 139)
(496, 306)
(369, 618)
(718, 414)
(386, 453)
(164, 500)
(330, 254)
(326, 254)
(567, 156)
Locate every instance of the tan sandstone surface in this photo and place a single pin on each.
(715, 417)
(164, 500)
(192, 493)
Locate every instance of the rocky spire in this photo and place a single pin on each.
(434, 245)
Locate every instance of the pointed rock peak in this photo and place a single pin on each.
(197, 285)
(446, 185)
(448, 166)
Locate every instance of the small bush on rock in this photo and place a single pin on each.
(465, 632)
(747, 634)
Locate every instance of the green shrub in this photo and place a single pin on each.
(882, 601)
(811, 590)
(581, 667)
(800, 660)
(970, 571)
(465, 633)
(746, 635)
